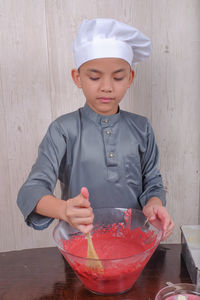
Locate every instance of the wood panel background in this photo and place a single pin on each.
(36, 87)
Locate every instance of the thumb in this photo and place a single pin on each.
(84, 192)
(150, 213)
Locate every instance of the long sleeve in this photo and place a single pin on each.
(151, 177)
(43, 176)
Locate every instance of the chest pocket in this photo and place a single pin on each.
(133, 173)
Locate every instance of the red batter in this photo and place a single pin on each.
(122, 254)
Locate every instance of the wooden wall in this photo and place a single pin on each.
(36, 87)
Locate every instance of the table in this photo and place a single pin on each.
(43, 273)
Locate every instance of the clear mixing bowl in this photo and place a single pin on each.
(124, 242)
(179, 291)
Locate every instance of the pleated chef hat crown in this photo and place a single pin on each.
(103, 38)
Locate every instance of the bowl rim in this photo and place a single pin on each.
(181, 285)
(109, 259)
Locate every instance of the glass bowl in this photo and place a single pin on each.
(186, 290)
(124, 242)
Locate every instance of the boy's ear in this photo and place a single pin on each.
(131, 77)
(76, 78)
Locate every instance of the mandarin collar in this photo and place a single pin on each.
(102, 119)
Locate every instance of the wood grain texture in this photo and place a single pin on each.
(36, 87)
(175, 105)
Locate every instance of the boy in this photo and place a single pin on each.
(98, 148)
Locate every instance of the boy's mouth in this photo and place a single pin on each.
(105, 99)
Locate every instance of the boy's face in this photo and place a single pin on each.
(104, 82)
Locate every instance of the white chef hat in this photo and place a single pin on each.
(103, 38)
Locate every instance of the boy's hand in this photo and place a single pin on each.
(78, 212)
(159, 217)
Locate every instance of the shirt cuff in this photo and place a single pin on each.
(144, 198)
(27, 200)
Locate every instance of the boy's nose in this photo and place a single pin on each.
(106, 90)
(106, 87)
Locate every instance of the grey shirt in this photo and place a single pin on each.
(115, 157)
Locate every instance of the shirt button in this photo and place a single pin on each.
(111, 154)
(105, 120)
(108, 132)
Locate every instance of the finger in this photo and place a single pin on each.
(169, 230)
(163, 216)
(149, 213)
(84, 192)
(85, 228)
(84, 221)
(80, 212)
(152, 217)
(171, 227)
(166, 224)
(79, 201)
(166, 235)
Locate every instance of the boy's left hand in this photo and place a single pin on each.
(159, 216)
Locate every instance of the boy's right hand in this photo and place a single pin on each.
(78, 212)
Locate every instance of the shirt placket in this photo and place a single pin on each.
(109, 130)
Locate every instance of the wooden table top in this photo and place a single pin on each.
(44, 274)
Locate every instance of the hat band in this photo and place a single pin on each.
(103, 48)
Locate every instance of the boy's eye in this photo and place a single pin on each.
(118, 78)
(94, 78)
